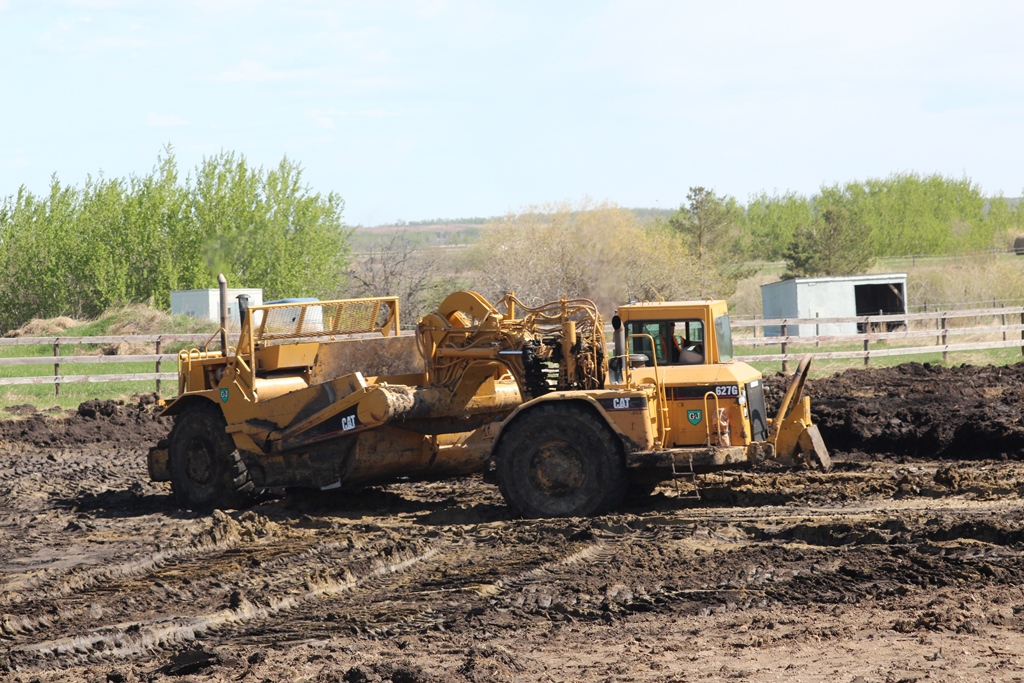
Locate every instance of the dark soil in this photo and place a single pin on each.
(904, 563)
(923, 411)
(116, 422)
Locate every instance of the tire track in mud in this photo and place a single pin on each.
(222, 535)
(584, 579)
(297, 584)
(780, 542)
(117, 592)
(593, 552)
(433, 596)
(410, 604)
(588, 583)
(512, 570)
(394, 574)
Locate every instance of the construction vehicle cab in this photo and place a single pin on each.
(687, 348)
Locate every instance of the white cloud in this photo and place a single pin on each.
(378, 113)
(222, 6)
(257, 72)
(100, 4)
(325, 118)
(18, 160)
(84, 37)
(164, 120)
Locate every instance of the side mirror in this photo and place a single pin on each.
(638, 360)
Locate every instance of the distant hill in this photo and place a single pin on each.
(451, 231)
(450, 224)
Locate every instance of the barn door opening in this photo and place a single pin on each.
(881, 299)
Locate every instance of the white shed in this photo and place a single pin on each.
(833, 297)
(205, 303)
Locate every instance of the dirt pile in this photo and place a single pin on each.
(920, 411)
(128, 423)
(44, 327)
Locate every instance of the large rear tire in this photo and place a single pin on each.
(560, 460)
(206, 470)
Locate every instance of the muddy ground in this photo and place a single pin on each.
(903, 564)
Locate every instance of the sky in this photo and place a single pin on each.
(421, 109)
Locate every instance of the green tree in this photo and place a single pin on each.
(832, 244)
(267, 229)
(712, 227)
(1005, 221)
(912, 214)
(81, 250)
(772, 222)
(40, 245)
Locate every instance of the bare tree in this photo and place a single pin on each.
(600, 252)
(394, 265)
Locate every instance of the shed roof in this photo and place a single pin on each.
(876, 278)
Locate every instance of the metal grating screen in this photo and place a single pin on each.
(291, 321)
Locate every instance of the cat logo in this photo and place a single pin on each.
(620, 404)
(348, 422)
(694, 416)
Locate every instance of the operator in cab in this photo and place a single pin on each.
(685, 352)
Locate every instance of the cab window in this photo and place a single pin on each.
(676, 342)
(642, 345)
(723, 331)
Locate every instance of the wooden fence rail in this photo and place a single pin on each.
(125, 338)
(58, 379)
(878, 319)
(940, 333)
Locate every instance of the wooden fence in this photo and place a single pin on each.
(157, 358)
(932, 326)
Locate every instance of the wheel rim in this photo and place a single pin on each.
(199, 462)
(557, 469)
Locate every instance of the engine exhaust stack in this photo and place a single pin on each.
(223, 282)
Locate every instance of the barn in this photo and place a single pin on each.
(833, 297)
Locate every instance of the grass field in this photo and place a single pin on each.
(824, 367)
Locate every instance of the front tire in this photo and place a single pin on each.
(206, 470)
(560, 460)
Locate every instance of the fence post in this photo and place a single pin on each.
(158, 339)
(56, 367)
(867, 332)
(945, 354)
(1002, 319)
(785, 333)
(1022, 334)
